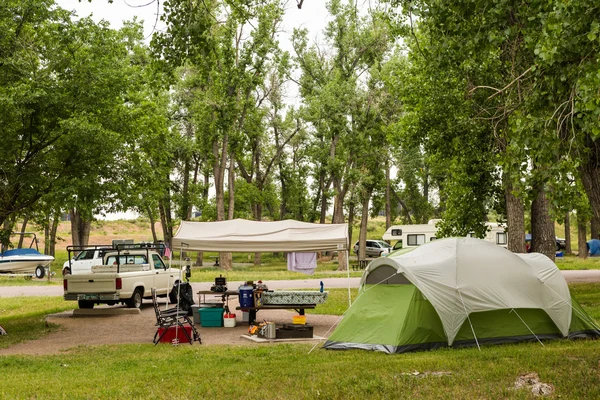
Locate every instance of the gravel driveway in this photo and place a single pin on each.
(140, 328)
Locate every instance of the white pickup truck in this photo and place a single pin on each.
(85, 257)
(126, 276)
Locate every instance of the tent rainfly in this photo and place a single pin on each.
(460, 292)
(240, 235)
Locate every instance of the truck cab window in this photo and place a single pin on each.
(158, 264)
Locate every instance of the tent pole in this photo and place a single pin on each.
(348, 273)
(533, 333)
(469, 319)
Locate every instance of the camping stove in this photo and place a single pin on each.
(220, 284)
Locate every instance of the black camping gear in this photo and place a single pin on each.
(186, 296)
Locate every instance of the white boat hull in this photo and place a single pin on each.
(23, 264)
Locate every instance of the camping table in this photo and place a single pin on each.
(224, 295)
(253, 310)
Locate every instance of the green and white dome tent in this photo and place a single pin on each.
(460, 292)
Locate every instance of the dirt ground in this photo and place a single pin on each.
(140, 328)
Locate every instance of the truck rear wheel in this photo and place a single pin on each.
(136, 299)
(86, 304)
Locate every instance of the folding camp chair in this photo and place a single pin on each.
(172, 317)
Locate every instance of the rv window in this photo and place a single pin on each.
(501, 238)
(415, 240)
(396, 232)
(471, 234)
(431, 239)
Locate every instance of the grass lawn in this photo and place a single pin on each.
(290, 372)
(286, 371)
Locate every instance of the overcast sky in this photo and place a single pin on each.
(312, 15)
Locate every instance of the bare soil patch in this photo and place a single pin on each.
(140, 328)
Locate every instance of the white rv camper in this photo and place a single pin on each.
(418, 234)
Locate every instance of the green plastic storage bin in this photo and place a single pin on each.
(211, 317)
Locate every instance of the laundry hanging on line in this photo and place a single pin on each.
(302, 262)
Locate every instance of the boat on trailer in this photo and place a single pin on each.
(25, 261)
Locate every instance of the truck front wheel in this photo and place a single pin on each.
(136, 299)
(85, 304)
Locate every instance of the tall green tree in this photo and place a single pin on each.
(30, 104)
(65, 87)
(329, 87)
(229, 43)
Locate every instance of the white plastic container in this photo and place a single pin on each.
(229, 321)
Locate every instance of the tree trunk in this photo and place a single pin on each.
(220, 161)
(402, 206)
(318, 196)
(388, 197)
(590, 175)
(582, 239)
(338, 218)
(53, 231)
(594, 228)
(47, 234)
(515, 216)
(323, 205)
(164, 208)
(200, 259)
(426, 184)
(7, 229)
(186, 207)
(80, 228)
(568, 249)
(543, 238)
(220, 153)
(362, 235)
(257, 211)
(152, 224)
(351, 221)
(225, 259)
(195, 183)
(23, 229)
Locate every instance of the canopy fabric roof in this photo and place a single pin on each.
(240, 235)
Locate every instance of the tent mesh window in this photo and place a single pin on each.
(386, 274)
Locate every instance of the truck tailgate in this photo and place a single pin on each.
(91, 283)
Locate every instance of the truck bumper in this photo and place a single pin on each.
(92, 296)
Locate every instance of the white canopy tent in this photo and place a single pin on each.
(240, 235)
(243, 236)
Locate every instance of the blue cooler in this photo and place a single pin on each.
(246, 296)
